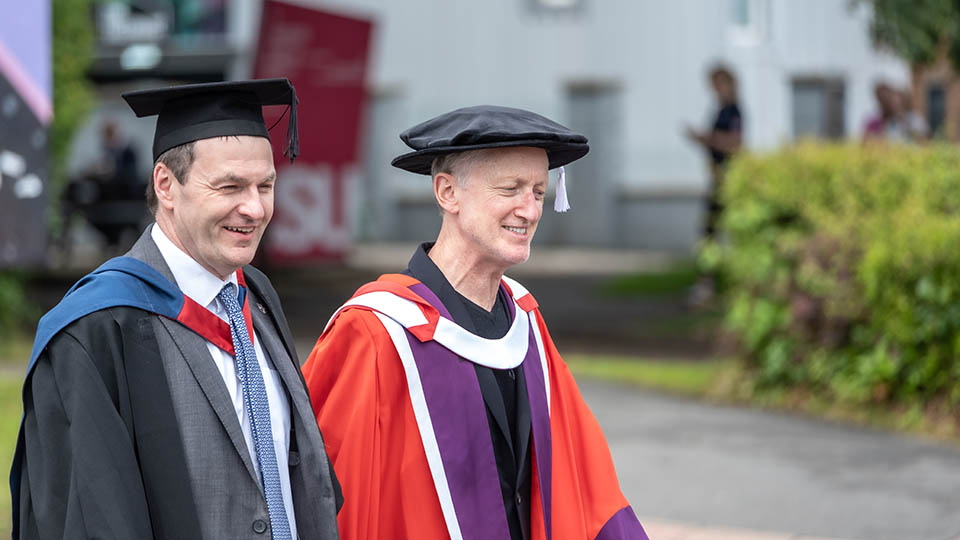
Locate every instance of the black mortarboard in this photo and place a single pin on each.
(488, 126)
(192, 112)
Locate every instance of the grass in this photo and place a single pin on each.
(695, 378)
(673, 281)
(11, 408)
(15, 349)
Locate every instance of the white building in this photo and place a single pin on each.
(630, 74)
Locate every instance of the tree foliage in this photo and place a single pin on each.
(919, 31)
(73, 43)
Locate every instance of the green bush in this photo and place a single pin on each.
(842, 269)
(15, 311)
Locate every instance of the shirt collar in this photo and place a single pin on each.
(422, 267)
(193, 279)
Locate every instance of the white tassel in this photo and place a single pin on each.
(561, 204)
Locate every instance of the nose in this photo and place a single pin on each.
(529, 208)
(252, 205)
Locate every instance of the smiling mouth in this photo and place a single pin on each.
(518, 230)
(242, 230)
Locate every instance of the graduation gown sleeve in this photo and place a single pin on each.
(81, 478)
(587, 501)
(357, 386)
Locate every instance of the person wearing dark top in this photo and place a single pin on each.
(446, 407)
(721, 142)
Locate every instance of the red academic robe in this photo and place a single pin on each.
(404, 424)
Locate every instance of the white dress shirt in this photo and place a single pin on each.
(203, 287)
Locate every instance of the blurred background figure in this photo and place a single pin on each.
(726, 135)
(914, 122)
(116, 169)
(721, 141)
(895, 119)
(108, 192)
(887, 123)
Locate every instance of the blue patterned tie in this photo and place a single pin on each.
(258, 408)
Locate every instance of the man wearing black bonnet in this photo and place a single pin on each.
(163, 398)
(447, 409)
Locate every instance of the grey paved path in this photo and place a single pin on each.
(690, 463)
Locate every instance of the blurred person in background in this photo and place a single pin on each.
(720, 142)
(445, 404)
(109, 193)
(117, 166)
(887, 123)
(163, 398)
(896, 120)
(914, 122)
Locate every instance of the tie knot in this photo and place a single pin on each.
(228, 295)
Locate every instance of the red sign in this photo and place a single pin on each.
(325, 56)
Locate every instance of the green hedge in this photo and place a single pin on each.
(841, 266)
(15, 310)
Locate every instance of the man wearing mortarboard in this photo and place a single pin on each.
(447, 410)
(163, 398)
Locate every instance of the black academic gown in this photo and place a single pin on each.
(504, 391)
(104, 454)
(96, 475)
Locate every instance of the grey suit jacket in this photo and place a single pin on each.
(230, 502)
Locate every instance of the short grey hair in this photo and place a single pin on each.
(457, 164)
(178, 159)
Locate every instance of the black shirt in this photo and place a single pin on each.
(728, 121)
(512, 457)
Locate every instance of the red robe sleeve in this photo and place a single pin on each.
(586, 493)
(359, 394)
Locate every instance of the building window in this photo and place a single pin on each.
(818, 108)
(740, 13)
(748, 21)
(595, 108)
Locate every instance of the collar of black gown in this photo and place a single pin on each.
(193, 112)
(488, 126)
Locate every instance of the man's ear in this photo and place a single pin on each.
(447, 191)
(163, 185)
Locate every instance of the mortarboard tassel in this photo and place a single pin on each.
(561, 204)
(293, 134)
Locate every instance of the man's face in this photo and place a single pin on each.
(220, 212)
(500, 203)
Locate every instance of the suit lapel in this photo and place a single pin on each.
(196, 355)
(273, 311)
(279, 355)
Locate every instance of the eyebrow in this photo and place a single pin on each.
(518, 180)
(233, 178)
